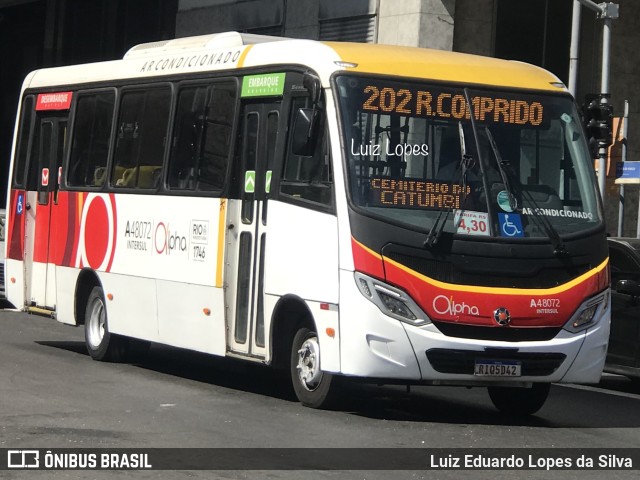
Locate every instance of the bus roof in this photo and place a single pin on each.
(232, 50)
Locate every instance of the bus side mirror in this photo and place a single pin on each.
(305, 132)
(628, 287)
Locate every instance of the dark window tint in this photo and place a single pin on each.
(90, 145)
(535, 31)
(201, 143)
(26, 121)
(249, 159)
(141, 138)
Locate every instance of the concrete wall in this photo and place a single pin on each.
(302, 19)
(417, 23)
(474, 27)
(198, 17)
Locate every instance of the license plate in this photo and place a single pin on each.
(497, 368)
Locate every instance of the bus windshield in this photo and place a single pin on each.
(414, 157)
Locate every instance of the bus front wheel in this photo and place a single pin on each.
(519, 400)
(313, 387)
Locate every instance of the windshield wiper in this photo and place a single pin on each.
(513, 202)
(510, 181)
(466, 162)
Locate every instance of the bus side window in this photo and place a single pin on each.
(308, 178)
(22, 150)
(91, 136)
(141, 137)
(201, 143)
(216, 136)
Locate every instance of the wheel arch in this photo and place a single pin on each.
(87, 279)
(290, 314)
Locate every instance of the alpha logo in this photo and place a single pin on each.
(448, 306)
(165, 241)
(502, 317)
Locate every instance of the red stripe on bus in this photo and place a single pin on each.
(366, 260)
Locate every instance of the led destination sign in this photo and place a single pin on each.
(449, 105)
(415, 193)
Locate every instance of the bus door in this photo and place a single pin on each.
(43, 177)
(247, 228)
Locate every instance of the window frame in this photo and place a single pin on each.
(66, 165)
(281, 161)
(207, 82)
(29, 131)
(122, 91)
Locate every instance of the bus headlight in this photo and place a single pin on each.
(390, 300)
(588, 314)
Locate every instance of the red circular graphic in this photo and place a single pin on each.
(96, 232)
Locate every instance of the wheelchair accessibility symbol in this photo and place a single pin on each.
(510, 225)
(20, 205)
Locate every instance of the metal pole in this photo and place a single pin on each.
(604, 90)
(575, 48)
(606, 11)
(625, 131)
(596, 7)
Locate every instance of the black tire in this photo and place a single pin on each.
(101, 344)
(519, 401)
(313, 387)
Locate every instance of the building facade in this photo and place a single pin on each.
(36, 33)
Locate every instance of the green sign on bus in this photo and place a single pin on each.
(266, 85)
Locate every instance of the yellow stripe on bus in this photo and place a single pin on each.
(221, 234)
(500, 290)
(80, 204)
(243, 56)
(367, 249)
(429, 64)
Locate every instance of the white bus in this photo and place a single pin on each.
(340, 210)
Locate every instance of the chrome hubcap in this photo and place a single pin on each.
(309, 364)
(96, 320)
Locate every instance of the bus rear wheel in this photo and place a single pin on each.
(519, 401)
(313, 387)
(101, 344)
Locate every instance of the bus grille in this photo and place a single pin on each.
(499, 334)
(463, 361)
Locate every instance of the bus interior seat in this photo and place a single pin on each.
(148, 177)
(100, 174)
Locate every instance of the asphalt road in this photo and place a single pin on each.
(52, 395)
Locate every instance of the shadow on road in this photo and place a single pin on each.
(200, 367)
(614, 404)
